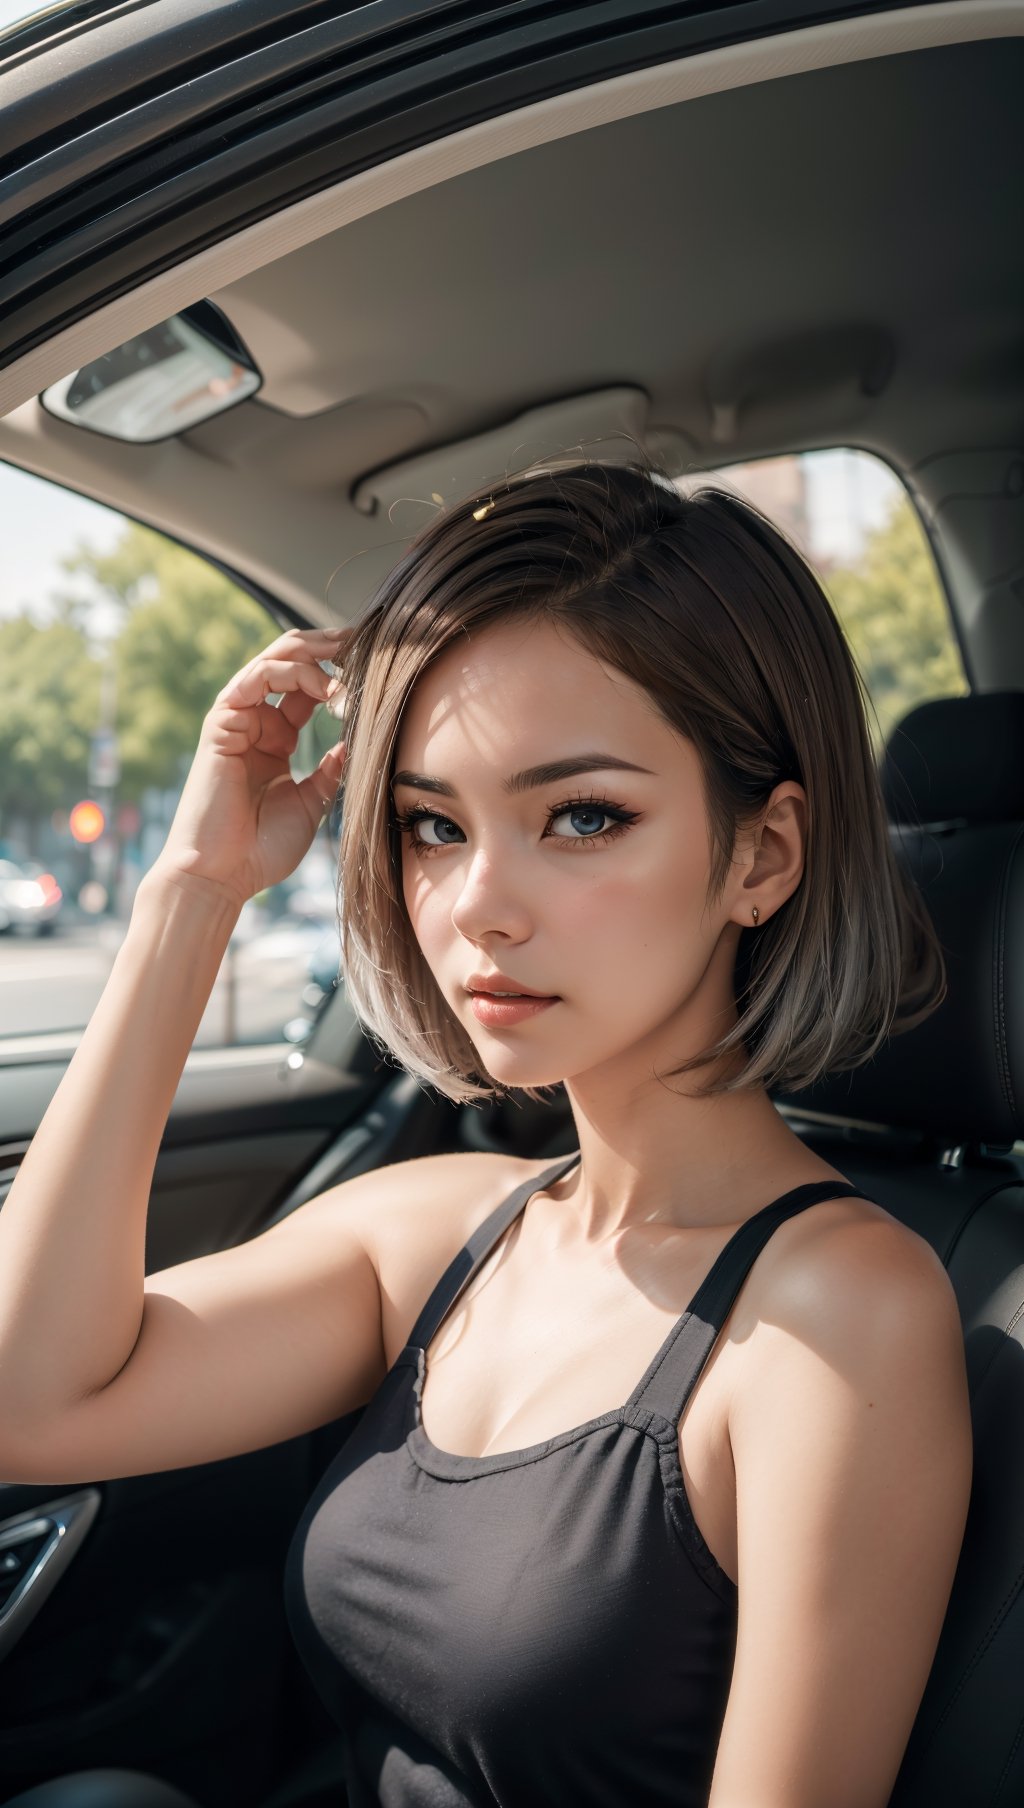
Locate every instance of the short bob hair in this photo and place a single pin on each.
(705, 605)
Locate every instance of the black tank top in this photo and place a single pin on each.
(539, 1628)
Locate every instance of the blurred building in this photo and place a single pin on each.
(778, 487)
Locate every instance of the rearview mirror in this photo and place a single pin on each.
(160, 383)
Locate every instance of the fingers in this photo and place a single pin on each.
(311, 644)
(333, 640)
(289, 666)
(266, 677)
(320, 789)
(277, 734)
(295, 707)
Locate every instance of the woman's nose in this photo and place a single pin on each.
(490, 901)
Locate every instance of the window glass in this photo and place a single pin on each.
(852, 518)
(26, 22)
(20, 12)
(114, 641)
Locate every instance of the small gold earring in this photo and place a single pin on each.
(756, 914)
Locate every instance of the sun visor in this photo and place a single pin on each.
(609, 425)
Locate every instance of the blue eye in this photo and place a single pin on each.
(429, 831)
(440, 825)
(421, 817)
(586, 820)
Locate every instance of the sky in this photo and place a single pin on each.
(39, 522)
(12, 12)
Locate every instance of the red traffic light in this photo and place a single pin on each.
(87, 821)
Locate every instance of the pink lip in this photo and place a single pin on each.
(500, 982)
(500, 1013)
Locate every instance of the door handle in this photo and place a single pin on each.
(35, 1550)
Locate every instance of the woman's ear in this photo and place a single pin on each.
(770, 856)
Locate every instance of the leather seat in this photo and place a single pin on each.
(103, 1789)
(939, 1109)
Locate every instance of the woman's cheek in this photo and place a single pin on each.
(609, 906)
(422, 903)
(591, 916)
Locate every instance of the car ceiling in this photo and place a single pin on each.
(829, 258)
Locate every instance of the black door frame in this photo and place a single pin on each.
(150, 133)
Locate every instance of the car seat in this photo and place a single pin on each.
(103, 1789)
(318, 1782)
(939, 1110)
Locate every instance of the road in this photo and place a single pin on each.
(53, 983)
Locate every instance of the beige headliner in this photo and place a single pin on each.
(710, 256)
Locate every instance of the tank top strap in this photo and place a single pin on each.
(669, 1381)
(472, 1254)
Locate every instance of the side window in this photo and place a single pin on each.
(851, 517)
(114, 641)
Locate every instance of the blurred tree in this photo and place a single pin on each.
(186, 628)
(897, 621)
(51, 705)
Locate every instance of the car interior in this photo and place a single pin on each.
(804, 236)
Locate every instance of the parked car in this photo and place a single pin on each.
(323, 967)
(30, 898)
(380, 255)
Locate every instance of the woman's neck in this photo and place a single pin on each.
(662, 1157)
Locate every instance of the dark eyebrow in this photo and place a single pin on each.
(548, 774)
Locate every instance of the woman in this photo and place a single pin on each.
(611, 822)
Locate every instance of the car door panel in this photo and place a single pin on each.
(161, 1643)
(164, 1633)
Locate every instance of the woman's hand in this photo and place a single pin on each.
(242, 822)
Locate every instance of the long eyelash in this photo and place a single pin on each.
(622, 818)
(405, 821)
(418, 813)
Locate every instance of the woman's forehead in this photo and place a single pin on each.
(517, 673)
(544, 702)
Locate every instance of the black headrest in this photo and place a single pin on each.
(957, 760)
(953, 777)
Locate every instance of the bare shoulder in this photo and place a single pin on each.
(413, 1217)
(846, 1284)
(850, 1431)
(844, 1266)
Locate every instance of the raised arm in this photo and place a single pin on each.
(72, 1231)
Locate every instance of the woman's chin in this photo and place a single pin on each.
(512, 1067)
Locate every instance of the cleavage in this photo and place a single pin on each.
(538, 1345)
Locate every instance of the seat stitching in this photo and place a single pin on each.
(1000, 1187)
(1000, 1615)
(971, 1211)
(998, 967)
(983, 1374)
(1004, 1773)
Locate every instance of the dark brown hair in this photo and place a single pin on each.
(703, 603)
